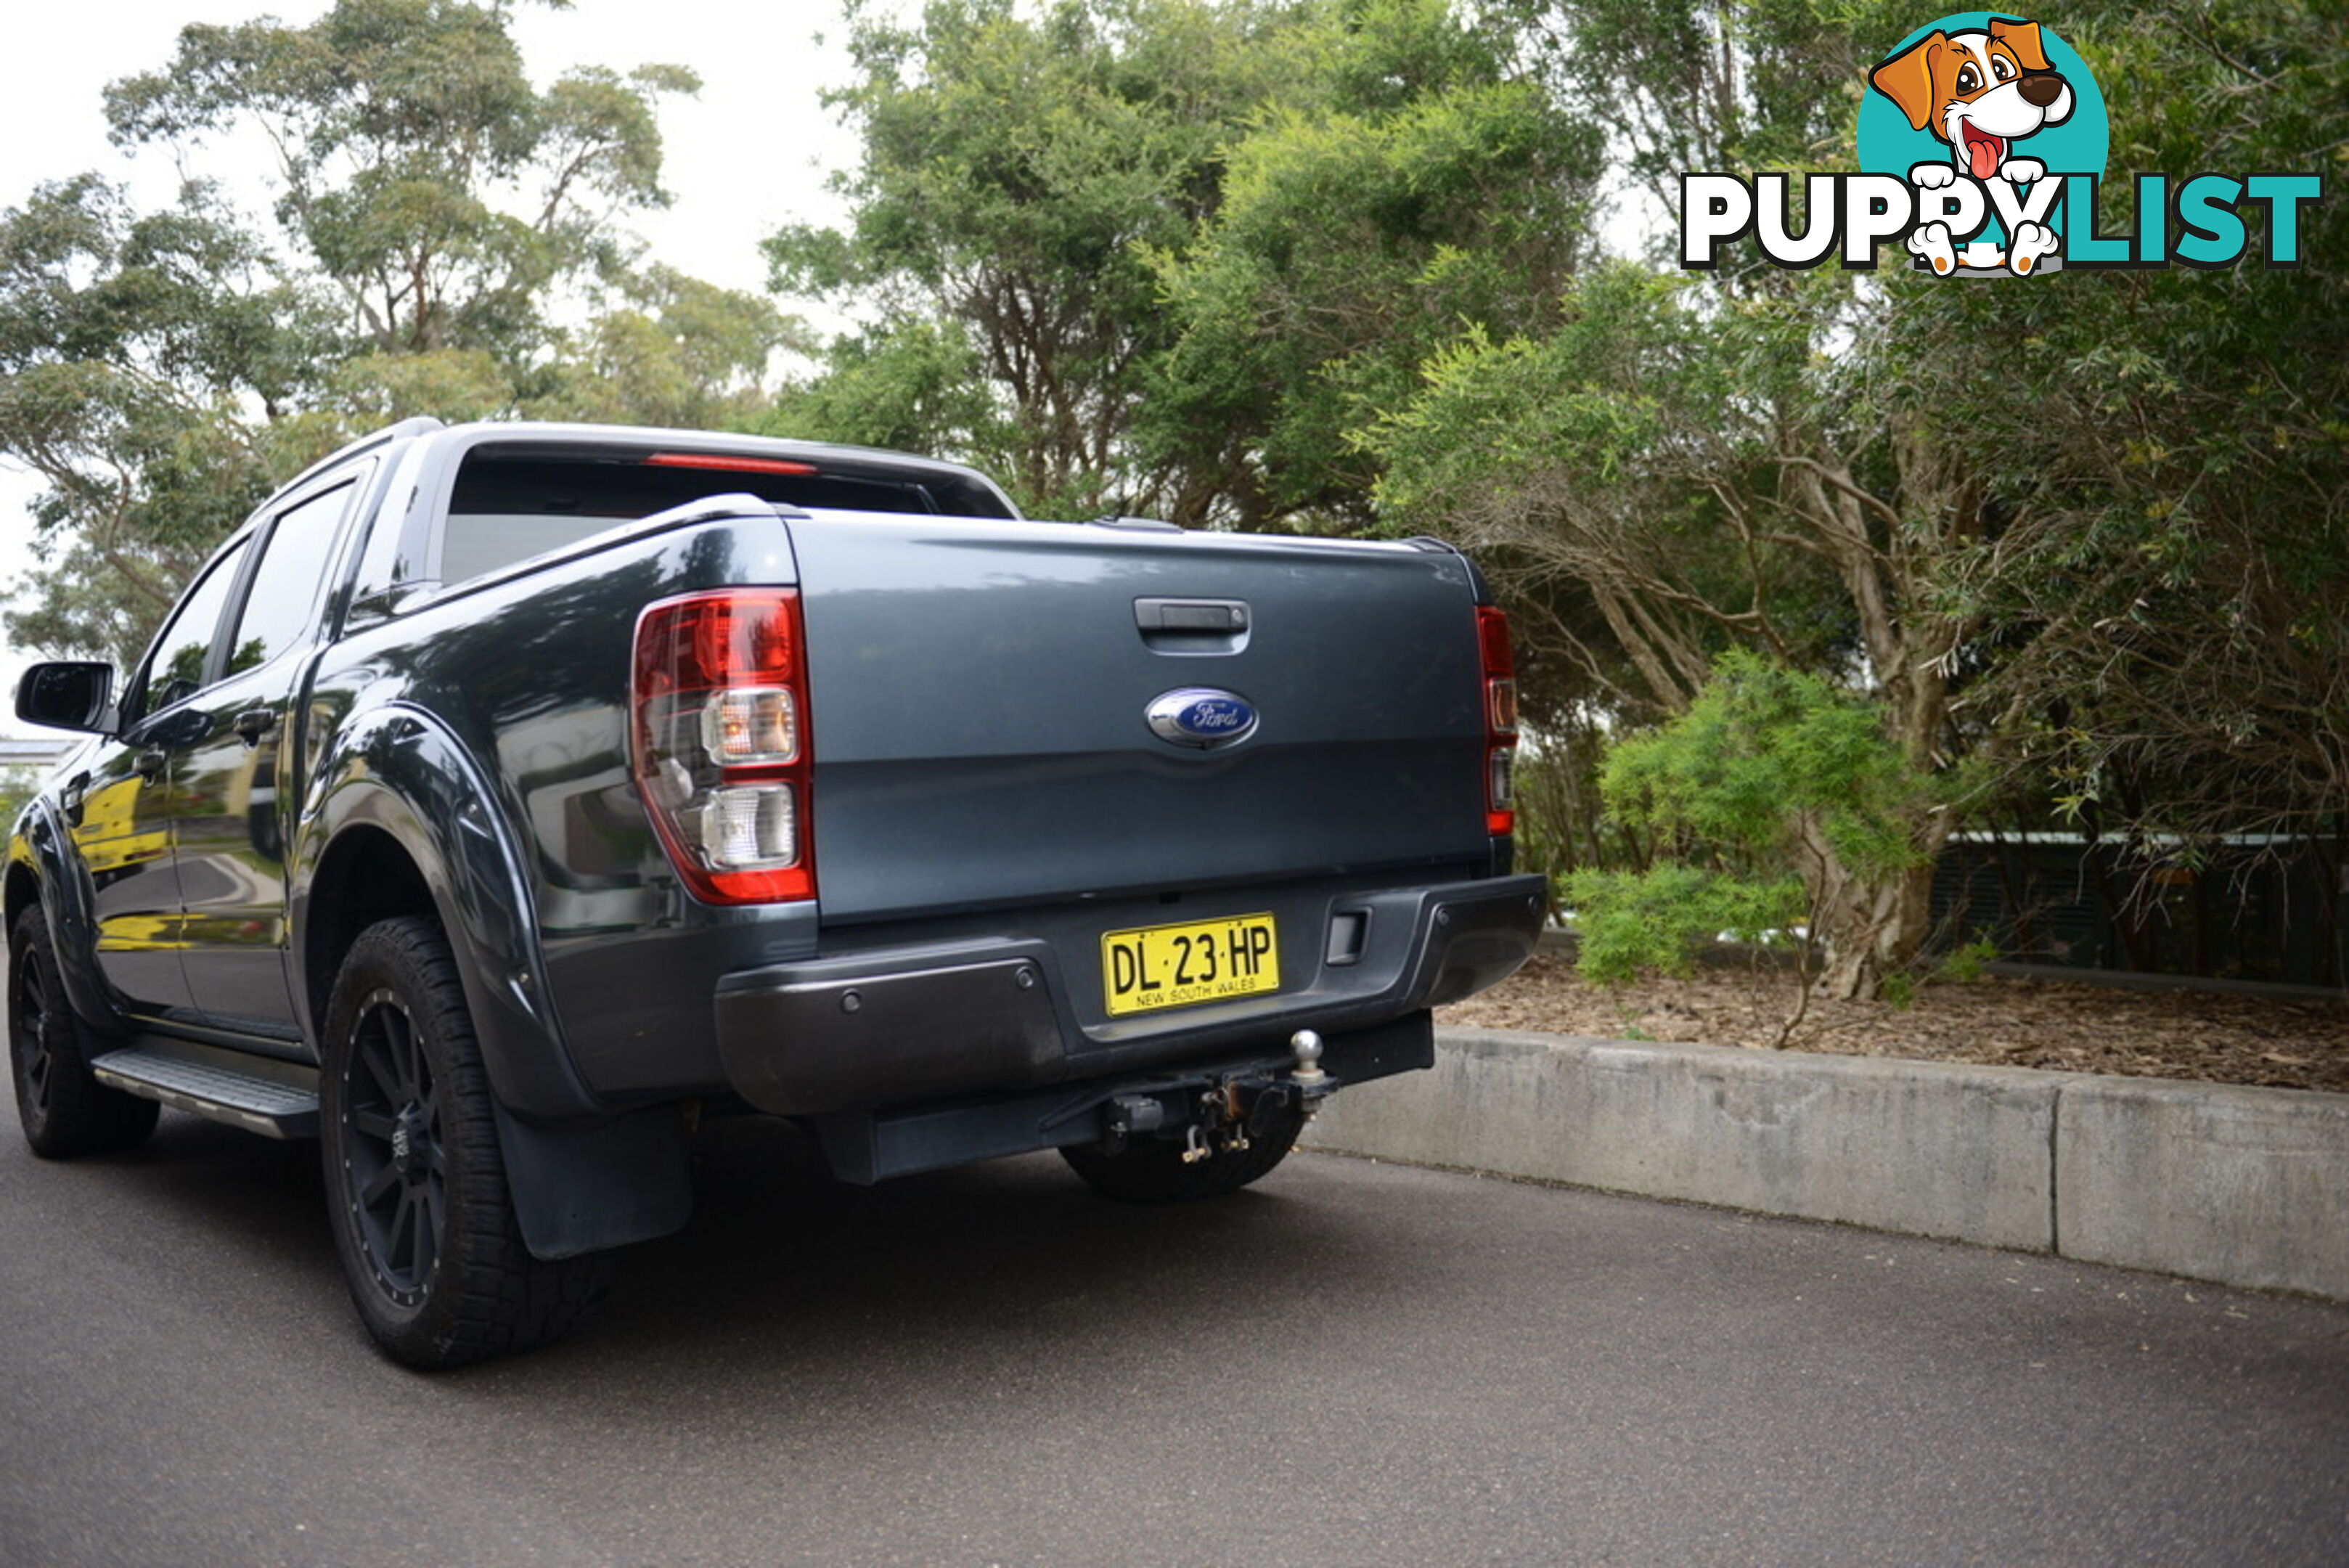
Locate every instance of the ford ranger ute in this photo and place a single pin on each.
(501, 799)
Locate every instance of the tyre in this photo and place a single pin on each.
(1151, 1169)
(423, 1223)
(65, 1110)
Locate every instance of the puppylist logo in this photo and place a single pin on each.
(1951, 111)
(1983, 143)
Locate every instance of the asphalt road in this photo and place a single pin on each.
(1352, 1364)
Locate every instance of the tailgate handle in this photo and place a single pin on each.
(1193, 626)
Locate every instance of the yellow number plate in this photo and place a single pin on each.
(1176, 966)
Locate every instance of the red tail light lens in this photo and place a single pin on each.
(720, 742)
(1500, 719)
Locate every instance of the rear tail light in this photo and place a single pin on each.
(1500, 719)
(720, 741)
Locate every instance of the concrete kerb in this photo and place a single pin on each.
(2249, 1187)
(2245, 1187)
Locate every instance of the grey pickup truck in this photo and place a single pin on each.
(502, 799)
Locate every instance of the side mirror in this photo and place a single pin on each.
(66, 696)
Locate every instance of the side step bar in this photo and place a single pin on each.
(276, 1099)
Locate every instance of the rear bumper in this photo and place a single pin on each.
(918, 1024)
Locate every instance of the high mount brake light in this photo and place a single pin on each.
(720, 743)
(724, 463)
(1500, 719)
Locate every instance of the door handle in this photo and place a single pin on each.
(255, 723)
(150, 763)
(1193, 626)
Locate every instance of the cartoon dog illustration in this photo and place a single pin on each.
(1982, 92)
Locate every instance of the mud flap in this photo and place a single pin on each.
(583, 1188)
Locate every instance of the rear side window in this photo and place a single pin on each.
(286, 584)
(177, 669)
(510, 505)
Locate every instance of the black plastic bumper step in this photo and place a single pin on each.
(257, 1100)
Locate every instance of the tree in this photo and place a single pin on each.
(670, 349)
(913, 384)
(1674, 480)
(1178, 248)
(1017, 167)
(1687, 85)
(2031, 527)
(397, 124)
(133, 349)
(2171, 461)
(448, 241)
(1417, 186)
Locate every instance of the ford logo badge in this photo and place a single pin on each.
(1202, 716)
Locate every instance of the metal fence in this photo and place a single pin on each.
(2247, 908)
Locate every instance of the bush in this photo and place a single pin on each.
(1965, 966)
(1664, 917)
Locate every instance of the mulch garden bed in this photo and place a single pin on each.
(2214, 1036)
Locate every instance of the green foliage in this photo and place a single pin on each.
(450, 384)
(919, 385)
(1665, 918)
(2085, 534)
(1624, 475)
(399, 127)
(2169, 454)
(17, 787)
(1966, 964)
(1698, 84)
(1419, 187)
(1768, 760)
(670, 349)
(1185, 247)
(1555, 782)
(132, 348)
(1015, 166)
(1775, 793)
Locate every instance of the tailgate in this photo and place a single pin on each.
(980, 698)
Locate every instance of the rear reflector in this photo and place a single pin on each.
(721, 744)
(724, 463)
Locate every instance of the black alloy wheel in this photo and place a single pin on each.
(29, 1023)
(63, 1108)
(423, 1220)
(396, 1171)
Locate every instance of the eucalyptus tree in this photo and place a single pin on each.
(439, 194)
(447, 238)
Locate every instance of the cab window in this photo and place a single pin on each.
(510, 503)
(178, 668)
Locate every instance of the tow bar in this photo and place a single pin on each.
(1227, 1114)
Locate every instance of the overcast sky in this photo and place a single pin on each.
(749, 155)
